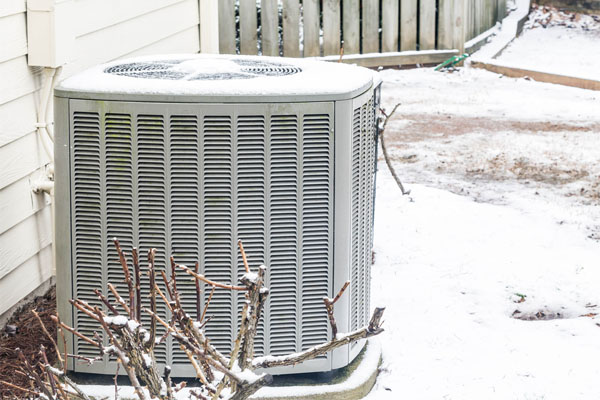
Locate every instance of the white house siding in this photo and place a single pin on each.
(104, 30)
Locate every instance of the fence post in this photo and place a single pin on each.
(501, 9)
(247, 28)
(351, 26)
(427, 24)
(389, 25)
(458, 25)
(291, 28)
(445, 25)
(226, 15)
(408, 25)
(370, 26)
(311, 28)
(209, 26)
(270, 28)
(331, 27)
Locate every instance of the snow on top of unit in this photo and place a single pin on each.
(220, 75)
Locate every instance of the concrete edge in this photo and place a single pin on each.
(540, 76)
(356, 386)
(480, 40)
(394, 59)
(39, 291)
(512, 26)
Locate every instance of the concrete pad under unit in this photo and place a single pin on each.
(349, 383)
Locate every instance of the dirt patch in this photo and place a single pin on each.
(541, 315)
(552, 174)
(23, 331)
(421, 127)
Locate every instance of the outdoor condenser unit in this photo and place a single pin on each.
(190, 153)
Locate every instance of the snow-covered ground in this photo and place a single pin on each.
(557, 42)
(558, 50)
(450, 271)
(509, 141)
(502, 222)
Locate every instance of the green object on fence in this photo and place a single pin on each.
(452, 61)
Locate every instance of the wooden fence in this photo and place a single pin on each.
(312, 28)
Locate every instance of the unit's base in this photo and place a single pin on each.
(354, 381)
(348, 383)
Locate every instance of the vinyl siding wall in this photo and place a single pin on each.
(104, 30)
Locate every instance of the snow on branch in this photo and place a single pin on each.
(131, 342)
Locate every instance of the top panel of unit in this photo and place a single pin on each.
(224, 78)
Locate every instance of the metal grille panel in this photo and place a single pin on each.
(191, 181)
(363, 170)
(87, 204)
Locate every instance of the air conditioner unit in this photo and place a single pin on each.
(190, 153)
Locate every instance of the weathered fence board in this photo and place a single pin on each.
(351, 26)
(389, 25)
(469, 19)
(458, 26)
(476, 17)
(370, 26)
(248, 26)
(501, 10)
(311, 28)
(445, 24)
(291, 28)
(226, 27)
(427, 12)
(408, 25)
(331, 27)
(270, 28)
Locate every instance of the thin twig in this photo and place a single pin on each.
(198, 291)
(138, 290)
(374, 328)
(244, 259)
(385, 152)
(127, 275)
(74, 332)
(115, 380)
(106, 302)
(38, 394)
(50, 377)
(118, 298)
(210, 296)
(64, 343)
(151, 275)
(49, 336)
(208, 281)
(329, 307)
(340, 293)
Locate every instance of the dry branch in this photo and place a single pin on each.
(373, 329)
(133, 345)
(127, 277)
(386, 156)
(329, 307)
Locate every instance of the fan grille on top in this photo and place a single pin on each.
(170, 70)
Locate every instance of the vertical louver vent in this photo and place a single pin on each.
(151, 200)
(316, 244)
(363, 169)
(87, 218)
(192, 184)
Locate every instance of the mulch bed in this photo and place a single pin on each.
(28, 337)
